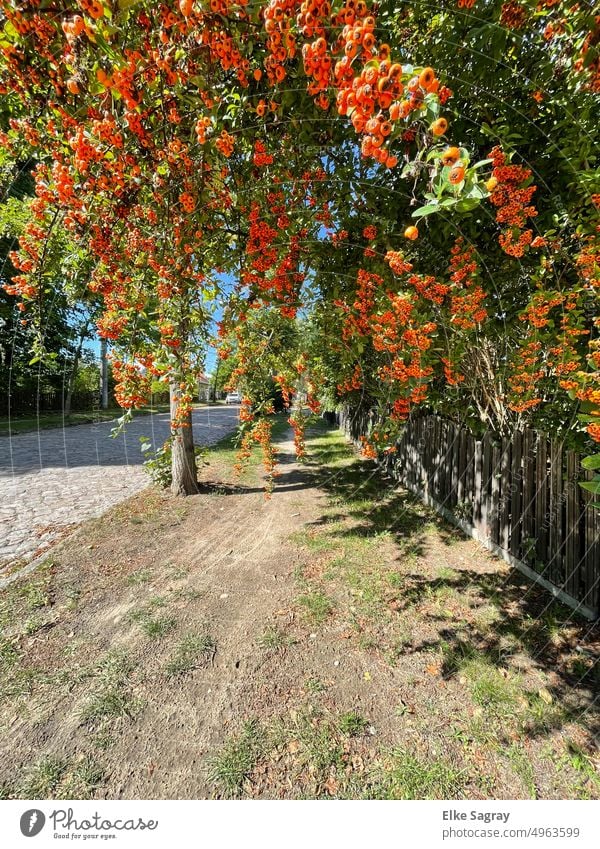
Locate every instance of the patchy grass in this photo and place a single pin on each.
(192, 652)
(316, 605)
(230, 767)
(273, 639)
(53, 778)
(407, 776)
(153, 625)
(353, 724)
(111, 696)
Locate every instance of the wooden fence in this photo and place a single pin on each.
(520, 497)
(23, 402)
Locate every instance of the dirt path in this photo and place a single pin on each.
(232, 645)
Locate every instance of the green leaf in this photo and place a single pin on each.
(481, 163)
(591, 463)
(467, 204)
(591, 486)
(422, 211)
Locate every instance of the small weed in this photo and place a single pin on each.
(112, 698)
(8, 653)
(521, 765)
(396, 579)
(139, 577)
(191, 652)
(353, 724)
(157, 627)
(73, 595)
(317, 606)
(273, 639)
(53, 778)
(41, 780)
(153, 626)
(230, 768)
(35, 595)
(490, 688)
(320, 747)
(314, 685)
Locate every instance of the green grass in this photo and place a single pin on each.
(154, 626)
(407, 776)
(490, 688)
(273, 639)
(111, 696)
(52, 777)
(317, 606)
(231, 766)
(353, 724)
(192, 651)
(139, 577)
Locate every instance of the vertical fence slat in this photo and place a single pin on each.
(541, 500)
(572, 525)
(555, 530)
(495, 494)
(516, 479)
(505, 494)
(591, 547)
(528, 505)
(478, 486)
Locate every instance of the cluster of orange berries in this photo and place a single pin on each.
(512, 200)
(280, 42)
(429, 288)
(588, 262)
(396, 261)
(339, 237)
(513, 15)
(467, 308)
(353, 383)
(132, 385)
(201, 127)
(453, 378)
(524, 382)
(93, 8)
(260, 157)
(186, 199)
(225, 143)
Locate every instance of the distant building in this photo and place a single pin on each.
(203, 388)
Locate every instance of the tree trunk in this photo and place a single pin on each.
(104, 374)
(183, 460)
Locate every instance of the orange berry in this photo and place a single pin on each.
(439, 127)
(72, 85)
(450, 156)
(457, 174)
(426, 78)
(411, 233)
(185, 7)
(491, 184)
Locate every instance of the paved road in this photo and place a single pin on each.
(53, 479)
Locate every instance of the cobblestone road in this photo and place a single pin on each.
(53, 479)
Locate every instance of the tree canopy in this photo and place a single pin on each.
(418, 184)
